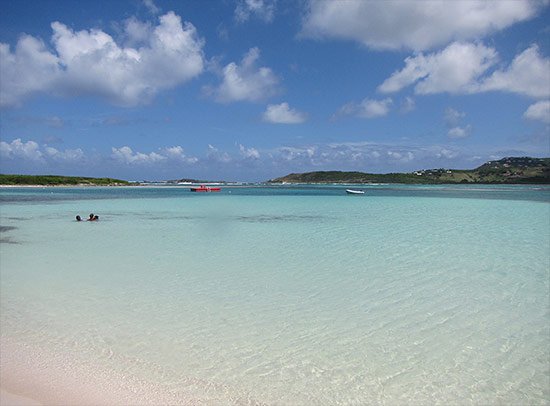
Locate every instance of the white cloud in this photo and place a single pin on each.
(454, 70)
(246, 82)
(249, 153)
(214, 154)
(127, 156)
(368, 108)
(283, 114)
(446, 153)
(30, 68)
(400, 156)
(365, 156)
(178, 154)
(463, 68)
(262, 9)
(374, 108)
(136, 32)
(528, 74)
(452, 117)
(151, 6)
(17, 149)
(296, 153)
(539, 111)
(175, 154)
(69, 155)
(90, 62)
(459, 132)
(31, 151)
(453, 120)
(417, 25)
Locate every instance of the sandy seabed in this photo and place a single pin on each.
(30, 376)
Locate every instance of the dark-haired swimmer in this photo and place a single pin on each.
(92, 217)
(78, 218)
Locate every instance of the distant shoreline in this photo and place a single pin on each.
(506, 171)
(268, 185)
(59, 186)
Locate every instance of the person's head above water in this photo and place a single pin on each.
(78, 218)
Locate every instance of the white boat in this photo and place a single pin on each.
(355, 192)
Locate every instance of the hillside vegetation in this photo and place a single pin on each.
(53, 180)
(506, 170)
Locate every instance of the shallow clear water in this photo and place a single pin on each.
(302, 295)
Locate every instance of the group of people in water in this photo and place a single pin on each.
(92, 217)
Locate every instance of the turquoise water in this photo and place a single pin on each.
(298, 295)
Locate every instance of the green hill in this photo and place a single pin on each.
(506, 170)
(53, 180)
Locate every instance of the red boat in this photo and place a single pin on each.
(203, 188)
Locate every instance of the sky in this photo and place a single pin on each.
(249, 90)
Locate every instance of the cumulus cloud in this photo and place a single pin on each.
(528, 74)
(283, 114)
(31, 151)
(127, 156)
(416, 25)
(366, 156)
(176, 154)
(459, 132)
(447, 153)
(262, 9)
(215, 155)
(151, 6)
(453, 70)
(246, 81)
(368, 108)
(464, 68)
(29, 69)
(91, 62)
(136, 32)
(296, 153)
(539, 111)
(18, 149)
(400, 156)
(249, 153)
(453, 119)
(69, 155)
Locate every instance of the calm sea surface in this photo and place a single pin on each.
(285, 295)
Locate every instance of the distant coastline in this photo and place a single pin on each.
(55, 180)
(511, 170)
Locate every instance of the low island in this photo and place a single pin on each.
(55, 180)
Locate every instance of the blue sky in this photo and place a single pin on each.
(254, 89)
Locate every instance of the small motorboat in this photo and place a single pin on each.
(203, 188)
(355, 192)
